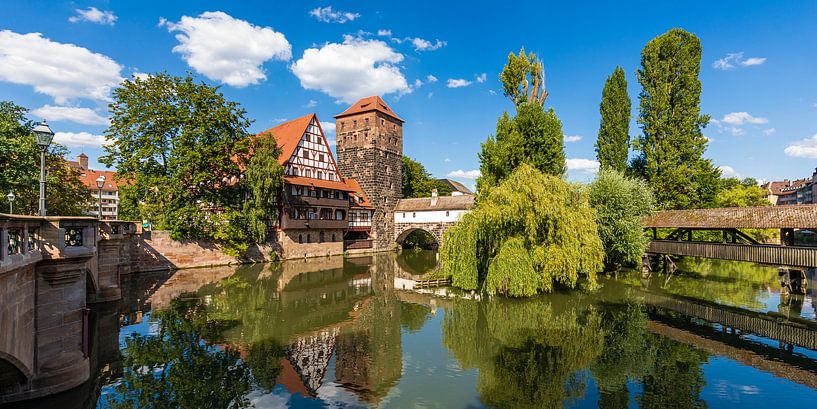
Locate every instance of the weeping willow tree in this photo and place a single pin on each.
(524, 235)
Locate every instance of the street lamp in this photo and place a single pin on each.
(100, 182)
(43, 135)
(11, 198)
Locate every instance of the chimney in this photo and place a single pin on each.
(82, 159)
(433, 197)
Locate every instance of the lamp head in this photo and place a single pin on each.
(11, 196)
(100, 181)
(43, 135)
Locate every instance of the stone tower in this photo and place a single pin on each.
(370, 150)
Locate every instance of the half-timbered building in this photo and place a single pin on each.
(316, 201)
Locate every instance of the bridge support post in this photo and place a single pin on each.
(792, 281)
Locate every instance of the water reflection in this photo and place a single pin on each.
(335, 332)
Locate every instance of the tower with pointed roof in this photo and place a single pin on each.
(370, 150)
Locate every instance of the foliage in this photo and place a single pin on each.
(65, 193)
(264, 359)
(676, 376)
(417, 182)
(527, 353)
(672, 145)
(534, 136)
(620, 203)
(614, 131)
(737, 193)
(527, 233)
(181, 366)
(180, 143)
(264, 178)
(523, 79)
(420, 239)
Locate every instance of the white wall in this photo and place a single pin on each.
(435, 216)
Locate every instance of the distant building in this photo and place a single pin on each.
(457, 188)
(110, 190)
(792, 192)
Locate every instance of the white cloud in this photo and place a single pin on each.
(807, 148)
(351, 70)
(732, 60)
(226, 49)
(458, 83)
(492, 92)
(85, 116)
(729, 172)
(384, 32)
(62, 71)
(93, 15)
(79, 139)
(332, 142)
(312, 103)
(740, 118)
(572, 138)
(583, 165)
(447, 160)
(482, 77)
(329, 15)
(141, 75)
(328, 127)
(430, 78)
(464, 174)
(420, 44)
(769, 131)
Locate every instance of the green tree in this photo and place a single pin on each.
(672, 144)
(180, 144)
(620, 203)
(66, 195)
(737, 193)
(526, 234)
(264, 178)
(417, 182)
(534, 136)
(523, 79)
(614, 132)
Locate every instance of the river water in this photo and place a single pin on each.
(348, 333)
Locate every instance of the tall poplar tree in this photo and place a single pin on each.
(672, 143)
(534, 136)
(614, 131)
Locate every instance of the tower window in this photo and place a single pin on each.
(367, 121)
(342, 125)
(354, 123)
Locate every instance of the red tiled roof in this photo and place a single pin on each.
(319, 183)
(784, 187)
(761, 217)
(358, 191)
(288, 134)
(373, 103)
(423, 204)
(88, 178)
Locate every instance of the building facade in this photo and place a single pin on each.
(370, 150)
(110, 189)
(792, 192)
(316, 201)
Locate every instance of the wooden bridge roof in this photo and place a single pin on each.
(762, 217)
(424, 204)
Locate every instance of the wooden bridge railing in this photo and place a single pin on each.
(793, 256)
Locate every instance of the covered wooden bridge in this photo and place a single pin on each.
(672, 234)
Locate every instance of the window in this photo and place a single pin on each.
(15, 244)
(308, 173)
(300, 239)
(321, 237)
(365, 216)
(354, 123)
(320, 157)
(295, 190)
(342, 125)
(447, 213)
(339, 215)
(382, 121)
(307, 137)
(414, 215)
(308, 238)
(320, 175)
(404, 215)
(305, 154)
(367, 121)
(313, 193)
(333, 236)
(325, 194)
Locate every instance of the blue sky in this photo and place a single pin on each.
(281, 60)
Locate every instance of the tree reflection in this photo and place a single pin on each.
(527, 355)
(183, 366)
(676, 377)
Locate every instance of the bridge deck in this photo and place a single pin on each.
(793, 256)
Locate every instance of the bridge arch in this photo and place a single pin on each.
(405, 231)
(13, 372)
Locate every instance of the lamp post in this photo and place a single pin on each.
(11, 198)
(43, 135)
(100, 182)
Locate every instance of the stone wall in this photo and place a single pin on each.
(402, 230)
(17, 318)
(292, 248)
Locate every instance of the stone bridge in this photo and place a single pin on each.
(49, 272)
(434, 215)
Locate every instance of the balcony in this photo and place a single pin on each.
(293, 200)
